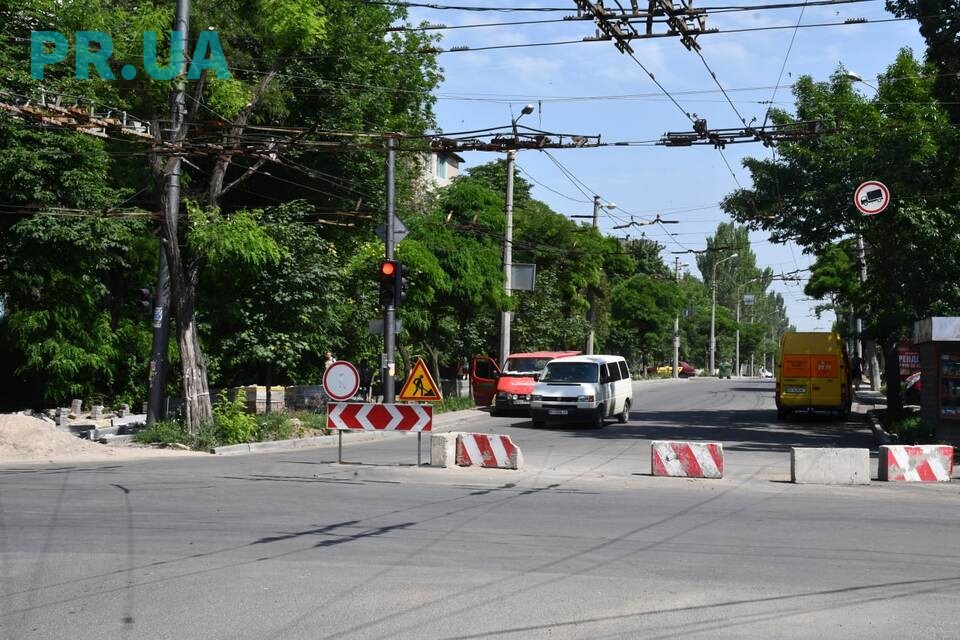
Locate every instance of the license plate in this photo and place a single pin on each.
(557, 412)
(796, 389)
(521, 402)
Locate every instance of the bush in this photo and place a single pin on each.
(453, 404)
(912, 430)
(233, 424)
(163, 432)
(276, 426)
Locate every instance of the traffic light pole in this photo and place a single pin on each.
(507, 260)
(161, 312)
(390, 311)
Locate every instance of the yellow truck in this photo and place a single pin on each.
(813, 374)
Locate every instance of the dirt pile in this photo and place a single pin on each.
(25, 438)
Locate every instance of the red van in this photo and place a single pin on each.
(509, 389)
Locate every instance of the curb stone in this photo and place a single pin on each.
(449, 421)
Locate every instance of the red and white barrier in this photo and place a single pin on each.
(917, 463)
(488, 450)
(346, 416)
(687, 459)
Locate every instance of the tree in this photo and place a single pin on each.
(902, 137)
(283, 56)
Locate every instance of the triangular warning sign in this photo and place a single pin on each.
(420, 385)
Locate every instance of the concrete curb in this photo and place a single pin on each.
(442, 423)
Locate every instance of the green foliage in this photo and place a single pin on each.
(164, 432)
(276, 426)
(911, 430)
(453, 404)
(234, 425)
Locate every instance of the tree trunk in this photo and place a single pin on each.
(892, 374)
(183, 282)
(434, 363)
(873, 365)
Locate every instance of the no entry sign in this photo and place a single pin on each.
(341, 380)
(871, 197)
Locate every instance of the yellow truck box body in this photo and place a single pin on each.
(813, 373)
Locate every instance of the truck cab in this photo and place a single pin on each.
(509, 389)
(813, 374)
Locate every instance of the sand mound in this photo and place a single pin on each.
(28, 437)
(25, 438)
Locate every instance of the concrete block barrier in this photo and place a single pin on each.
(829, 466)
(915, 463)
(443, 450)
(686, 459)
(488, 450)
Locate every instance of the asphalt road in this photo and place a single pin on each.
(582, 544)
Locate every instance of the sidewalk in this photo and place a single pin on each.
(869, 397)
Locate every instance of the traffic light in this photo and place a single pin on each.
(145, 301)
(391, 282)
(392, 286)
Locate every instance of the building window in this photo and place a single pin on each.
(441, 167)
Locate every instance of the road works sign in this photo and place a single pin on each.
(341, 380)
(420, 385)
(355, 416)
(871, 197)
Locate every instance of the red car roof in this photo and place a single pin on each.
(545, 354)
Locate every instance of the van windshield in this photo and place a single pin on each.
(571, 372)
(525, 365)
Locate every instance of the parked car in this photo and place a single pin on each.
(584, 388)
(685, 370)
(509, 389)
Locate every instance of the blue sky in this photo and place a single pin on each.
(590, 88)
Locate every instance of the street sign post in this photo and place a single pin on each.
(355, 416)
(871, 198)
(341, 380)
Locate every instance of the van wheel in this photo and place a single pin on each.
(598, 418)
(625, 414)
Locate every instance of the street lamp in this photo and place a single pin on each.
(713, 313)
(508, 241)
(597, 205)
(855, 77)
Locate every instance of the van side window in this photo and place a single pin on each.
(604, 374)
(615, 371)
(624, 372)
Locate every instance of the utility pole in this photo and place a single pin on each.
(593, 312)
(737, 359)
(713, 313)
(390, 312)
(676, 325)
(507, 260)
(161, 311)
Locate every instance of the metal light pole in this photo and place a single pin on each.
(389, 311)
(508, 243)
(713, 313)
(596, 223)
(676, 325)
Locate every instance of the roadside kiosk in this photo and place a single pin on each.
(938, 341)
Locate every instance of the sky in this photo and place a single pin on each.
(589, 88)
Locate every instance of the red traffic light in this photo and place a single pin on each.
(388, 268)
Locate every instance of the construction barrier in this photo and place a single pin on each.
(829, 466)
(916, 463)
(687, 459)
(488, 450)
